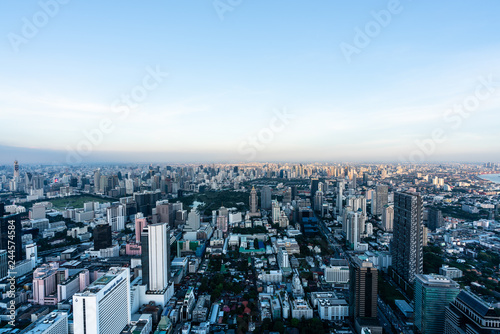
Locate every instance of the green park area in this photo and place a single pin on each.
(213, 200)
(74, 201)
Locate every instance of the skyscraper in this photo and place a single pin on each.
(363, 288)
(340, 197)
(163, 210)
(388, 218)
(116, 217)
(97, 180)
(382, 196)
(275, 214)
(287, 196)
(104, 306)
(318, 201)
(406, 246)
(145, 256)
(433, 293)
(265, 198)
(435, 219)
(254, 200)
(469, 314)
(158, 256)
(314, 187)
(140, 223)
(102, 236)
(8, 224)
(16, 170)
(193, 221)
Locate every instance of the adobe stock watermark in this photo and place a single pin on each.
(453, 118)
(372, 29)
(31, 26)
(253, 144)
(122, 107)
(224, 6)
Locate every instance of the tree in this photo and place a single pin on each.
(278, 326)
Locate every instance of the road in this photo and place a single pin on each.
(386, 311)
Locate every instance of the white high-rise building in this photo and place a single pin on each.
(193, 221)
(388, 218)
(275, 212)
(103, 307)
(159, 256)
(116, 217)
(32, 254)
(283, 258)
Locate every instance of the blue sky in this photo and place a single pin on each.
(227, 77)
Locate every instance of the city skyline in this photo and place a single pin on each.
(213, 79)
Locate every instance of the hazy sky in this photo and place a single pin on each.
(364, 80)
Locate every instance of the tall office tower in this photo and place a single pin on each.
(163, 209)
(104, 306)
(294, 192)
(283, 259)
(146, 200)
(104, 184)
(435, 219)
(433, 293)
(284, 221)
(145, 255)
(362, 203)
(354, 182)
(363, 288)
(32, 253)
(37, 211)
(97, 180)
(4, 268)
(287, 196)
(469, 314)
(374, 205)
(276, 212)
(357, 203)
(382, 195)
(265, 198)
(353, 229)
(406, 246)
(140, 223)
(318, 201)
(28, 180)
(254, 200)
(16, 170)
(158, 256)
(388, 218)
(8, 224)
(102, 236)
(340, 197)
(314, 187)
(365, 178)
(193, 221)
(222, 223)
(321, 187)
(425, 232)
(116, 217)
